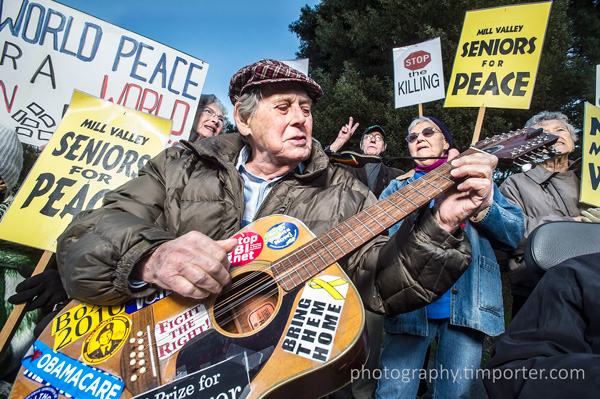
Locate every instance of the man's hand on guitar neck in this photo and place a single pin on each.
(192, 265)
(472, 195)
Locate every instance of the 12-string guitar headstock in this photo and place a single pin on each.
(522, 147)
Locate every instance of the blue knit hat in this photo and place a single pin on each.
(11, 157)
(443, 128)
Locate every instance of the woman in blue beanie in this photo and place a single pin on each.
(465, 314)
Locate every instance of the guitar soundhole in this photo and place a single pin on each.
(247, 304)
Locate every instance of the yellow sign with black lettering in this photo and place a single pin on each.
(97, 147)
(498, 56)
(590, 169)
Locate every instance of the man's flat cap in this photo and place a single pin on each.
(271, 71)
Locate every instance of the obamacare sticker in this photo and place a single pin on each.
(282, 235)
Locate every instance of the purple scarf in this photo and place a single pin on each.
(429, 168)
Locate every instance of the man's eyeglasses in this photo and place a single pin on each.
(377, 137)
(213, 114)
(427, 132)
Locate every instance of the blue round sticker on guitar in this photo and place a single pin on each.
(281, 236)
(43, 393)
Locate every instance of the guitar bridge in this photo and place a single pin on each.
(139, 360)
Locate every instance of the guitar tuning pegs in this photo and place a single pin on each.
(540, 156)
(524, 166)
(528, 157)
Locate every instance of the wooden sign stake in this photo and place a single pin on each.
(478, 125)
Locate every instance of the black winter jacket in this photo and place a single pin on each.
(552, 347)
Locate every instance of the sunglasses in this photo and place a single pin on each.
(427, 132)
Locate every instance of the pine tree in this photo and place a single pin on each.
(350, 44)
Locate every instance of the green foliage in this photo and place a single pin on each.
(350, 44)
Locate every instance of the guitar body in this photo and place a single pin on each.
(258, 340)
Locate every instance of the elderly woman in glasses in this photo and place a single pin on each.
(548, 192)
(467, 312)
(210, 118)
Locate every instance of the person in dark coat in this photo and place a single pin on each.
(552, 347)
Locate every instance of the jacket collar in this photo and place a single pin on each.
(225, 149)
(539, 174)
(407, 175)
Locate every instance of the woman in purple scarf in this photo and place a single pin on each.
(465, 314)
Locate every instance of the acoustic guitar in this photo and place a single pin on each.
(291, 324)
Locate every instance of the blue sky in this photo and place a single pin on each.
(227, 34)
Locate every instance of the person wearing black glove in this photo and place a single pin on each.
(44, 290)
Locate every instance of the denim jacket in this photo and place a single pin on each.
(476, 298)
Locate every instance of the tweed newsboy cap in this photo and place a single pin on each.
(269, 71)
(11, 156)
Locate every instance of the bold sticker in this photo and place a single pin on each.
(106, 339)
(259, 316)
(43, 393)
(316, 318)
(249, 246)
(68, 376)
(68, 327)
(282, 235)
(225, 380)
(140, 303)
(171, 334)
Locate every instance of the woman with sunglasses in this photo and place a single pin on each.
(465, 314)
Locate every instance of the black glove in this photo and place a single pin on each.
(44, 289)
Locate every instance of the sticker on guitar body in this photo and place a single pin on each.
(282, 235)
(173, 333)
(70, 377)
(249, 246)
(140, 303)
(225, 380)
(316, 318)
(106, 339)
(43, 393)
(78, 321)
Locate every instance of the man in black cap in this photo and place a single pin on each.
(375, 175)
(170, 227)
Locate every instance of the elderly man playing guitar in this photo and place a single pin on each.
(171, 228)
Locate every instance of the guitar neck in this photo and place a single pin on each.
(315, 256)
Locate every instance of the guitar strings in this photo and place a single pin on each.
(266, 282)
(235, 299)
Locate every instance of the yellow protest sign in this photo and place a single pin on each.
(590, 169)
(97, 147)
(498, 56)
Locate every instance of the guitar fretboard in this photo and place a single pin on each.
(315, 256)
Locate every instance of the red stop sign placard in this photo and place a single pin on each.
(417, 60)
